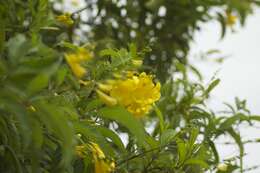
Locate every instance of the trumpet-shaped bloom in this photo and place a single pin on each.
(231, 19)
(75, 59)
(136, 93)
(81, 151)
(102, 165)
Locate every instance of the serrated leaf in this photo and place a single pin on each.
(93, 135)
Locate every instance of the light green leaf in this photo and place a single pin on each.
(38, 83)
(111, 135)
(167, 136)
(194, 161)
(123, 117)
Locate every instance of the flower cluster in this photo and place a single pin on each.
(76, 59)
(101, 163)
(230, 19)
(81, 151)
(136, 93)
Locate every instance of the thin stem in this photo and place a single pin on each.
(79, 11)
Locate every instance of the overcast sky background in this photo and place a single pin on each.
(239, 74)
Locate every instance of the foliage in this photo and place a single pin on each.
(53, 118)
(165, 26)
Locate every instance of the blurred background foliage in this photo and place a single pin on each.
(165, 27)
(49, 119)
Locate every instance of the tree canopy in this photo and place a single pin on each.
(106, 88)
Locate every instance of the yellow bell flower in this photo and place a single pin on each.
(75, 59)
(136, 93)
(81, 151)
(96, 151)
(65, 19)
(32, 108)
(230, 19)
(102, 165)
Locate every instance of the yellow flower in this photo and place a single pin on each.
(102, 165)
(75, 59)
(231, 19)
(96, 151)
(65, 19)
(32, 108)
(81, 151)
(110, 101)
(136, 93)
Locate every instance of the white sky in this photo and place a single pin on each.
(239, 74)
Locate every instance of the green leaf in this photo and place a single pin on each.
(160, 117)
(195, 161)
(113, 136)
(60, 76)
(211, 87)
(38, 83)
(108, 52)
(16, 163)
(222, 21)
(182, 151)
(167, 136)
(196, 72)
(18, 47)
(229, 122)
(254, 117)
(93, 104)
(2, 33)
(123, 117)
(193, 136)
(58, 124)
(214, 150)
(37, 134)
(238, 140)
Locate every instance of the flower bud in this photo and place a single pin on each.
(110, 101)
(222, 167)
(137, 63)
